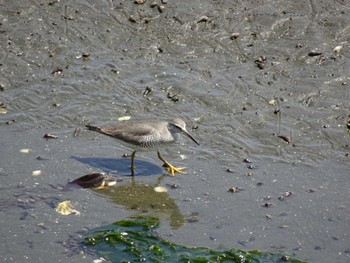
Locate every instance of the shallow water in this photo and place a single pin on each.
(68, 63)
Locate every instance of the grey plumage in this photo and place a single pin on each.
(146, 135)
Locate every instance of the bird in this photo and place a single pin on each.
(147, 136)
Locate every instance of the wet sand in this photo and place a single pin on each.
(268, 105)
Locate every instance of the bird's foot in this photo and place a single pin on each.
(172, 169)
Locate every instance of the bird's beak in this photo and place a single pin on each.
(189, 136)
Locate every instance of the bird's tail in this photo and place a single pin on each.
(93, 128)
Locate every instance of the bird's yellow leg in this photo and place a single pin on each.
(133, 163)
(102, 185)
(171, 169)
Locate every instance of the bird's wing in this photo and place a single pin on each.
(129, 132)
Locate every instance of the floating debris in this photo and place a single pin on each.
(100, 260)
(314, 53)
(183, 157)
(284, 138)
(234, 35)
(153, 5)
(132, 19)
(246, 160)
(337, 49)
(147, 91)
(260, 62)
(124, 118)
(233, 189)
(251, 166)
(57, 71)
(311, 190)
(39, 158)
(267, 205)
(36, 173)
(287, 194)
(230, 170)
(97, 180)
(276, 111)
(268, 197)
(174, 185)
(283, 226)
(24, 150)
(161, 8)
(285, 258)
(203, 19)
(247, 106)
(268, 216)
(173, 96)
(85, 56)
(160, 189)
(76, 132)
(50, 136)
(110, 183)
(272, 102)
(3, 109)
(66, 208)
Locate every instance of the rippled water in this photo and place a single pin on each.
(68, 63)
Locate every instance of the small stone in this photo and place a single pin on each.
(160, 189)
(268, 216)
(234, 35)
(57, 71)
(267, 205)
(124, 118)
(311, 190)
(247, 106)
(233, 189)
(76, 132)
(36, 173)
(314, 53)
(284, 138)
(154, 4)
(24, 151)
(337, 49)
(272, 102)
(286, 194)
(246, 160)
(161, 8)
(132, 19)
(230, 170)
(85, 55)
(50, 136)
(147, 91)
(203, 19)
(285, 258)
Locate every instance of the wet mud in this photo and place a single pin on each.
(262, 85)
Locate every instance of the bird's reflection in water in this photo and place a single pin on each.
(143, 198)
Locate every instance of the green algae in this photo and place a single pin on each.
(135, 240)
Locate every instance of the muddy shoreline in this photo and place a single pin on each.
(263, 86)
